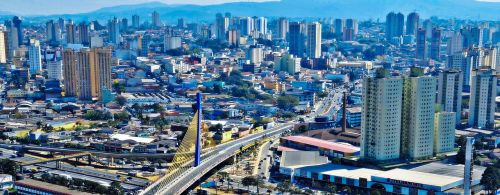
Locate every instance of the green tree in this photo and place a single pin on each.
(284, 186)
(249, 181)
(491, 178)
(8, 166)
(331, 188)
(120, 100)
(287, 102)
(115, 188)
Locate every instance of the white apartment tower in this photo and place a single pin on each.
(381, 117)
(450, 84)
(35, 59)
(444, 132)
(482, 98)
(417, 127)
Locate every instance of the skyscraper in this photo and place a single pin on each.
(114, 31)
(476, 36)
(71, 35)
(381, 117)
(352, 24)
(282, 28)
(83, 34)
(135, 21)
(17, 22)
(181, 23)
(455, 43)
(449, 97)
(339, 27)
(421, 50)
(53, 32)
(155, 19)
(261, 25)
(313, 43)
(3, 46)
(412, 22)
(221, 27)
(482, 98)
(233, 38)
(124, 25)
(436, 44)
(444, 132)
(394, 25)
(246, 26)
(417, 129)
(35, 57)
(297, 38)
(87, 72)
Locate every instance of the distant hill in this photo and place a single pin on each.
(361, 9)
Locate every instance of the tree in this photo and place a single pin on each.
(287, 102)
(8, 166)
(491, 178)
(120, 100)
(331, 188)
(249, 181)
(284, 186)
(115, 188)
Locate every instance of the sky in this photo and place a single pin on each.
(48, 7)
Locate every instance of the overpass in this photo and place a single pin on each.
(187, 173)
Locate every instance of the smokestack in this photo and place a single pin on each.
(344, 115)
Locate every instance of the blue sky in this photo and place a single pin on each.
(47, 7)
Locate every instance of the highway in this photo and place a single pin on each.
(222, 152)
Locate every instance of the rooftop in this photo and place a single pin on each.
(341, 147)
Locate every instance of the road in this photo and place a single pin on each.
(224, 151)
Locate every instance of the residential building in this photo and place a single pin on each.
(482, 98)
(444, 132)
(449, 96)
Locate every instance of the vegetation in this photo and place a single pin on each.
(84, 185)
(491, 178)
(95, 115)
(8, 166)
(287, 102)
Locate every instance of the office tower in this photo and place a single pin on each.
(54, 69)
(145, 41)
(476, 35)
(297, 38)
(233, 38)
(427, 25)
(181, 23)
(417, 128)
(444, 132)
(135, 21)
(12, 39)
(421, 50)
(313, 43)
(394, 25)
(221, 27)
(482, 98)
(52, 32)
(172, 42)
(61, 23)
(87, 72)
(436, 44)
(495, 38)
(339, 27)
(381, 117)
(155, 19)
(282, 28)
(3, 46)
(83, 34)
(35, 57)
(486, 36)
(455, 43)
(124, 25)
(352, 24)
(287, 63)
(246, 26)
(71, 36)
(412, 22)
(348, 34)
(17, 24)
(255, 55)
(449, 97)
(261, 25)
(114, 31)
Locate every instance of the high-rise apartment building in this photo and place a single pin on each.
(34, 57)
(297, 38)
(155, 19)
(87, 72)
(394, 25)
(417, 128)
(482, 98)
(381, 117)
(421, 50)
(435, 53)
(282, 28)
(449, 97)
(221, 27)
(339, 26)
(313, 43)
(135, 21)
(54, 69)
(114, 31)
(3, 46)
(71, 35)
(412, 22)
(83, 34)
(444, 132)
(455, 43)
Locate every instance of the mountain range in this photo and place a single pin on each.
(361, 9)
